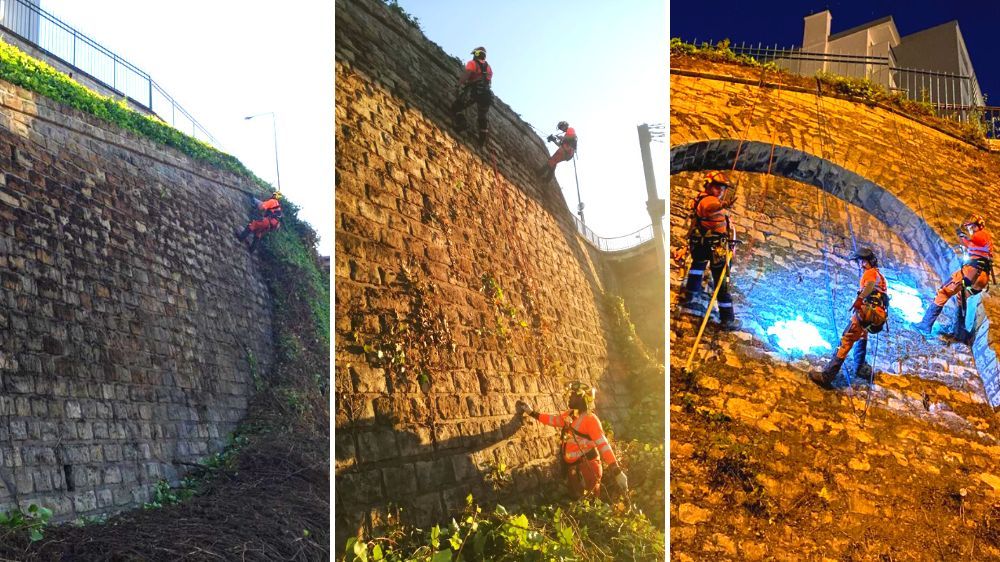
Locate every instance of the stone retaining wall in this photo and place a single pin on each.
(461, 287)
(917, 180)
(127, 310)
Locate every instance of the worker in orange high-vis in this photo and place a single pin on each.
(567, 148)
(474, 87)
(268, 219)
(972, 277)
(870, 313)
(584, 444)
(710, 237)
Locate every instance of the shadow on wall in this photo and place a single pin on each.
(793, 272)
(423, 470)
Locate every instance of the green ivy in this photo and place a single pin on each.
(20, 69)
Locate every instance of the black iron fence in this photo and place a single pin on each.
(31, 24)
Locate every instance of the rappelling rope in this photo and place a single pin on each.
(729, 251)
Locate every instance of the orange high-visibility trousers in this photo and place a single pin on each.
(262, 226)
(974, 275)
(853, 333)
(565, 152)
(585, 477)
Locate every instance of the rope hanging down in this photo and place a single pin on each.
(729, 251)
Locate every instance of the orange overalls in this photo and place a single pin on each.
(270, 212)
(584, 445)
(975, 272)
(855, 330)
(566, 149)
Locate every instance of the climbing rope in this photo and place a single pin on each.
(729, 252)
(708, 311)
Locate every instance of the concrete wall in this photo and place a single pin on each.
(431, 358)
(125, 307)
(914, 179)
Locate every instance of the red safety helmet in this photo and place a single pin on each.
(976, 220)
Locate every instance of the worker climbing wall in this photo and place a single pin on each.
(793, 282)
(461, 287)
(917, 179)
(129, 315)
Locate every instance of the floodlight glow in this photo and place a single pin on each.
(797, 335)
(905, 300)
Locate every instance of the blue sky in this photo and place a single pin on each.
(223, 60)
(601, 66)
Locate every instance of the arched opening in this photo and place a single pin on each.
(792, 273)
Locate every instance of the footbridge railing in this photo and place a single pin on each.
(38, 29)
(616, 243)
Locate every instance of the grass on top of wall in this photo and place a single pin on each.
(32, 74)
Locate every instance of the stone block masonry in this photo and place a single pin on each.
(127, 310)
(461, 287)
(913, 178)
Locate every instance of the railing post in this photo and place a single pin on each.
(74, 47)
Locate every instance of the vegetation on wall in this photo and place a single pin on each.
(972, 129)
(268, 492)
(20, 69)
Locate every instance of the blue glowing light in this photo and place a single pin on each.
(905, 301)
(797, 335)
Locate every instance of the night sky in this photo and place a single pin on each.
(781, 23)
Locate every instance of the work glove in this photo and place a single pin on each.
(619, 477)
(961, 232)
(524, 407)
(729, 199)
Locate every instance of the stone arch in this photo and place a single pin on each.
(801, 166)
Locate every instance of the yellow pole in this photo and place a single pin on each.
(708, 312)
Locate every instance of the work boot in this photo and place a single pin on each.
(253, 243)
(241, 236)
(483, 135)
(825, 377)
(730, 325)
(862, 369)
(930, 315)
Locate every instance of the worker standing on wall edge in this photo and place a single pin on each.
(268, 218)
(584, 444)
(565, 152)
(474, 88)
(970, 279)
(871, 310)
(710, 239)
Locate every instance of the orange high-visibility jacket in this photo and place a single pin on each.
(980, 244)
(270, 208)
(873, 275)
(582, 435)
(709, 213)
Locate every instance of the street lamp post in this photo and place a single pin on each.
(274, 129)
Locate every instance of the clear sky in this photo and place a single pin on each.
(223, 60)
(601, 66)
(781, 24)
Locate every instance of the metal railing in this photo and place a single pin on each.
(42, 30)
(953, 96)
(616, 243)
